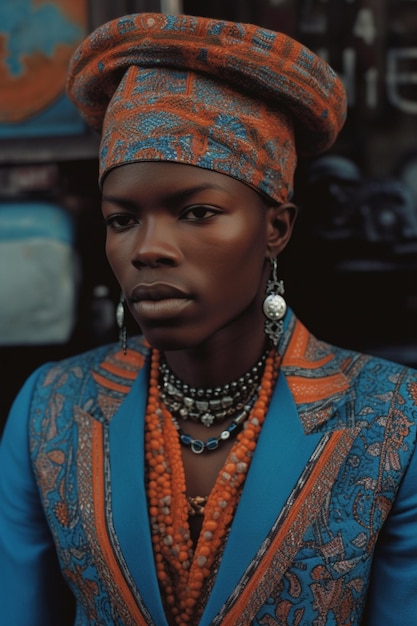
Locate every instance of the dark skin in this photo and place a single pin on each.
(190, 249)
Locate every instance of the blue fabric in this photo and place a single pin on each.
(30, 579)
(393, 588)
(323, 578)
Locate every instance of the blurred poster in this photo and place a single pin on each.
(37, 39)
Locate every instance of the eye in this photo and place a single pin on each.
(120, 221)
(199, 212)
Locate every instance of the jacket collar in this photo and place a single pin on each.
(319, 377)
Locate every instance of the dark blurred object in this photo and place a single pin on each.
(102, 316)
(356, 219)
(330, 183)
(384, 222)
(406, 170)
(352, 266)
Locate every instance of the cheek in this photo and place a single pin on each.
(234, 266)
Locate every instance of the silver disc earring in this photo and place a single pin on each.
(274, 306)
(120, 319)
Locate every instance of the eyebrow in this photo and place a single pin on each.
(174, 197)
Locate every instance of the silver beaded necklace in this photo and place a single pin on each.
(209, 406)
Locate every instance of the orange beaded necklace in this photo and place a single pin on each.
(181, 571)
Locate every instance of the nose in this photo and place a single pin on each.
(156, 245)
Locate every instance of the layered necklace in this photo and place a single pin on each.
(209, 405)
(181, 570)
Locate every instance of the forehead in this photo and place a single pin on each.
(165, 178)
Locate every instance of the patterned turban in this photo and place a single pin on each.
(232, 98)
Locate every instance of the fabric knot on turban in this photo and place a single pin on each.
(233, 98)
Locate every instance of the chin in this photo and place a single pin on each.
(167, 339)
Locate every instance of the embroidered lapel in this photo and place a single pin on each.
(116, 517)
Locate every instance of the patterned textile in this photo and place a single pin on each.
(331, 484)
(224, 96)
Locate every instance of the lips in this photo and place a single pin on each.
(156, 292)
(157, 302)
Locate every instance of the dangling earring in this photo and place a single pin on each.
(120, 319)
(274, 306)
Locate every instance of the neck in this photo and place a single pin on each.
(218, 361)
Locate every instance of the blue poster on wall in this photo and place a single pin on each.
(37, 40)
(39, 296)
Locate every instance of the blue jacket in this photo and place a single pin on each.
(325, 532)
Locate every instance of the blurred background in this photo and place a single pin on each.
(351, 269)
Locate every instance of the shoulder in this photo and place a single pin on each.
(80, 372)
(337, 389)
(378, 382)
(84, 388)
(323, 375)
(54, 389)
(384, 400)
(379, 404)
(378, 391)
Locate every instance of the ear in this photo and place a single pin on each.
(280, 223)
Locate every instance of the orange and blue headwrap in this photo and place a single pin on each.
(233, 98)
